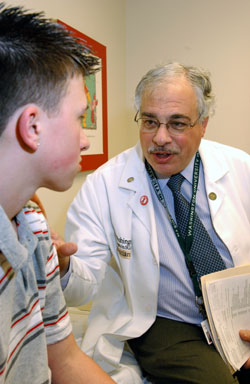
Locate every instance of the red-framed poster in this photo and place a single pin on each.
(95, 122)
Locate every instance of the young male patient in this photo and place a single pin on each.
(42, 102)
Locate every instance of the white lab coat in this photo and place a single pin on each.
(107, 218)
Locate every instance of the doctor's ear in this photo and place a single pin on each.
(28, 128)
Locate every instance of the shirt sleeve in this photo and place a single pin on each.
(55, 314)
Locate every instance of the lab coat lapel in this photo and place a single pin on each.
(214, 172)
(134, 178)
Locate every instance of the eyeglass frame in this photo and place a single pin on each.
(189, 126)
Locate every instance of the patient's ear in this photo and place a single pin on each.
(28, 127)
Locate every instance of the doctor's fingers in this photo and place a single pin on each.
(245, 334)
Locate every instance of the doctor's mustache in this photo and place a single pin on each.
(164, 149)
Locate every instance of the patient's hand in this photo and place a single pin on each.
(64, 251)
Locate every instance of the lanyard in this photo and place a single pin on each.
(185, 243)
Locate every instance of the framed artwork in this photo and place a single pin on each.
(95, 122)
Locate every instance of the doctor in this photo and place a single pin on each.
(132, 252)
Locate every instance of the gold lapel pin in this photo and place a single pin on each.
(212, 196)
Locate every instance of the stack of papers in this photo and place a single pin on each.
(226, 296)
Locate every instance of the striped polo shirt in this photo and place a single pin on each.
(33, 312)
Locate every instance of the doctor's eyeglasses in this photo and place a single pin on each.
(175, 126)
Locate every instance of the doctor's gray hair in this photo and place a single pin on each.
(198, 78)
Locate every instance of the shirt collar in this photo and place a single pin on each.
(188, 171)
(16, 248)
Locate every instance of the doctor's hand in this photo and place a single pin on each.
(64, 251)
(245, 335)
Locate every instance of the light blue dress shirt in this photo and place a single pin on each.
(176, 298)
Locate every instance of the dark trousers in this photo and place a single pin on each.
(175, 352)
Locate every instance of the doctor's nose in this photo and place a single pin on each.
(162, 136)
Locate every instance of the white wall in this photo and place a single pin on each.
(104, 21)
(213, 34)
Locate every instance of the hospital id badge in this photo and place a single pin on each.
(207, 331)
